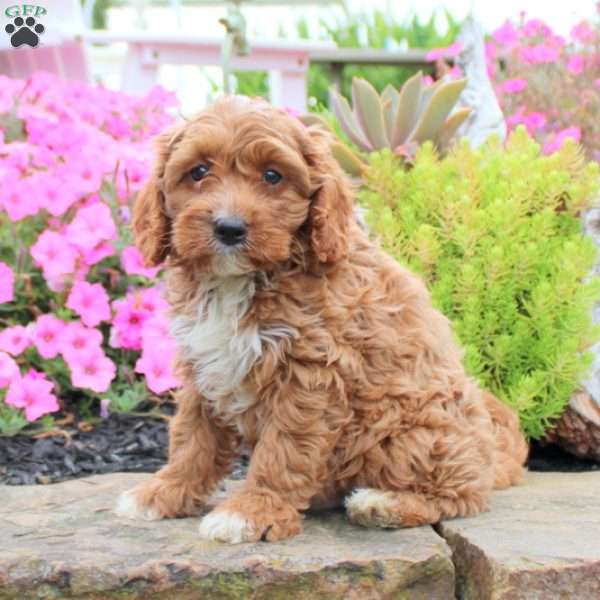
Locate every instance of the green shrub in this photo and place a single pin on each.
(496, 234)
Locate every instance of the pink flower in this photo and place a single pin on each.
(57, 196)
(449, 52)
(18, 198)
(92, 369)
(7, 283)
(506, 35)
(535, 27)
(534, 121)
(583, 33)
(90, 302)
(8, 369)
(92, 224)
(77, 338)
(128, 324)
(133, 263)
(558, 140)
(14, 340)
(513, 86)
(46, 335)
(156, 364)
(33, 392)
(151, 299)
(597, 83)
(53, 253)
(156, 331)
(539, 54)
(576, 64)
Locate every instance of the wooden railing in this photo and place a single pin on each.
(339, 58)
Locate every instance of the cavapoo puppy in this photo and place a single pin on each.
(301, 338)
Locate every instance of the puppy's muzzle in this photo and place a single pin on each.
(230, 231)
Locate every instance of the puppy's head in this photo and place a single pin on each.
(240, 188)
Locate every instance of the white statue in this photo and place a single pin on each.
(486, 118)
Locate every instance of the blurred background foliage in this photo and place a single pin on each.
(365, 29)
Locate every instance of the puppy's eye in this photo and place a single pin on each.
(199, 172)
(272, 177)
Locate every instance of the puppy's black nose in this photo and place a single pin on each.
(230, 230)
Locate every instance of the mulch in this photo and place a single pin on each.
(127, 443)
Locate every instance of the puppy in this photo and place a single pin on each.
(301, 338)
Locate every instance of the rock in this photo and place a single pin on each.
(63, 541)
(578, 429)
(539, 541)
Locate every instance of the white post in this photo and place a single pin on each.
(288, 89)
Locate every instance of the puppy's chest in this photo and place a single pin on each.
(223, 343)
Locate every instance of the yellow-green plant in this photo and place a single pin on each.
(496, 234)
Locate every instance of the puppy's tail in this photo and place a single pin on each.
(511, 447)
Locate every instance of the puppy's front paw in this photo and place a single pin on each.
(223, 526)
(129, 507)
(250, 517)
(158, 498)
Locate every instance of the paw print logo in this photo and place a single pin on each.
(24, 31)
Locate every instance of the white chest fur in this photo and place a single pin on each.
(222, 350)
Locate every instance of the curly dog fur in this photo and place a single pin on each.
(306, 342)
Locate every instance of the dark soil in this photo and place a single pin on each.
(553, 458)
(128, 443)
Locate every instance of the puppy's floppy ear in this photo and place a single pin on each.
(150, 224)
(331, 211)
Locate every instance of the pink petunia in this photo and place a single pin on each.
(448, 52)
(507, 35)
(558, 140)
(576, 64)
(90, 302)
(78, 338)
(583, 33)
(57, 195)
(534, 121)
(92, 224)
(7, 283)
(14, 339)
(47, 335)
(8, 370)
(17, 199)
(133, 263)
(33, 392)
(92, 369)
(128, 324)
(539, 54)
(156, 364)
(513, 86)
(53, 254)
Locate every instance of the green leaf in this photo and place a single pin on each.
(369, 112)
(407, 111)
(436, 112)
(347, 120)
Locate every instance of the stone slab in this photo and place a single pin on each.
(539, 541)
(63, 541)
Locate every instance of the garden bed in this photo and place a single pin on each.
(138, 444)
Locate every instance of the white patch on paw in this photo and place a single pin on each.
(128, 507)
(227, 527)
(370, 506)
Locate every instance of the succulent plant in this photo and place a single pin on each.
(399, 120)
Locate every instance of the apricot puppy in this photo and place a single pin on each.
(299, 336)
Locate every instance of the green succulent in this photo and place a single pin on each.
(399, 120)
